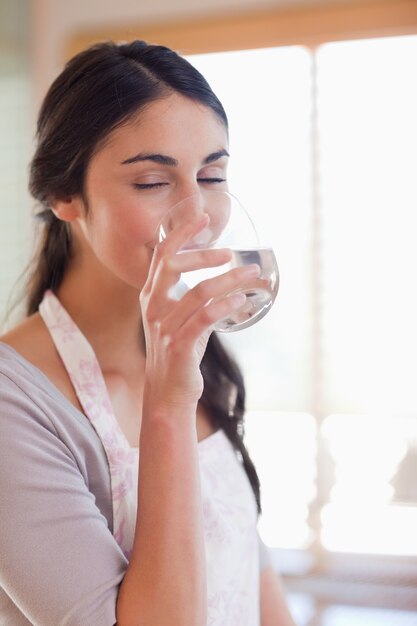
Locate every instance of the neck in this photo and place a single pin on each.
(107, 312)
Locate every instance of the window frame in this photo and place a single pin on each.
(308, 26)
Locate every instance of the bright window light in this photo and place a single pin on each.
(267, 97)
(367, 103)
(362, 515)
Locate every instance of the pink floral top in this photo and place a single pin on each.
(229, 507)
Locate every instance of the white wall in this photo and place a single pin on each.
(14, 146)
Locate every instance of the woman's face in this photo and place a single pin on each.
(174, 148)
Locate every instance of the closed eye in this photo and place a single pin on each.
(149, 185)
(211, 180)
(207, 180)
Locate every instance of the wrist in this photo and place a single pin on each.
(175, 407)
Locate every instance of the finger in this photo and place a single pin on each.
(190, 260)
(181, 234)
(169, 270)
(176, 239)
(207, 317)
(212, 289)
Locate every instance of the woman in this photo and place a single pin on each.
(115, 398)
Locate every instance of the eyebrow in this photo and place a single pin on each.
(163, 159)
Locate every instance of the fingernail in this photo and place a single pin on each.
(253, 270)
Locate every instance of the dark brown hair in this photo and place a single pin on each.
(98, 90)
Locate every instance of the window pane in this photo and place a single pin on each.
(367, 103)
(364, 513)
(267, 97)
(367, 128)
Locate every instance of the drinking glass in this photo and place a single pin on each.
(229, 227)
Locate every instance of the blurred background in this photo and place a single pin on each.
(322, 100)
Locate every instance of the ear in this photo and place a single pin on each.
(68, 209)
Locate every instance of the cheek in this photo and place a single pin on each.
(122, 222)
(121, 239)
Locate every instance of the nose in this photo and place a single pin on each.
(186, 209)
(216, 204)
(189, 195)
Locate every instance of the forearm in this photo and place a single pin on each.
(165, 583)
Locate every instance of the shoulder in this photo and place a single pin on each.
(31, 340)
(23, 408)
(31, 406)
(43, 437)
(30, 440)
(16, 374)
(19, 376)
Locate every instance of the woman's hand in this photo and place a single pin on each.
(177, 332)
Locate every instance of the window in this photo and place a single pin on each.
(324, 157)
